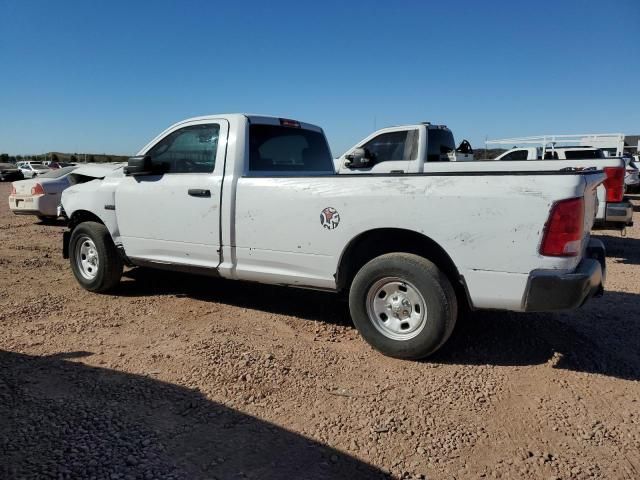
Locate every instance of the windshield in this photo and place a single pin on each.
(439, 143)
(59, 172)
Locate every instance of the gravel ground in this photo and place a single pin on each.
(177, 376)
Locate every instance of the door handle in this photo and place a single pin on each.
(199, 192)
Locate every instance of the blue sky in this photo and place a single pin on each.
(106, 76)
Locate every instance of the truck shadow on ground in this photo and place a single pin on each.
(50, 222)
(64, 419)
(625, 249)
(307, 304)
(592, 339)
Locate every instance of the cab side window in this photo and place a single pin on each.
(517, 155)
(402, 145)
(187, 150)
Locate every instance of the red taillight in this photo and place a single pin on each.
(13, 189)
(564, 229)
(614, 183)
(37, 189)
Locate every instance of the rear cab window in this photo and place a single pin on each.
(439, 143)
(288, 149)
(583, 154)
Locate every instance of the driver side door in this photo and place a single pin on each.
(173, 216)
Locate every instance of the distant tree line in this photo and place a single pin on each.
(64, 157)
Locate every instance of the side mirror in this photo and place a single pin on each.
(138, 165)
(357, 159)
(464, 147)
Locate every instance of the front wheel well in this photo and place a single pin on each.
(80, 216)
(373, 243)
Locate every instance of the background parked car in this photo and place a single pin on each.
(32, 169)
(632, 177)
(9, 171)
(40, 196)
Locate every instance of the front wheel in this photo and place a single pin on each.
(95, 261)
(403, 305)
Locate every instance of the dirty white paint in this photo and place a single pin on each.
(562, 162)
(419, 165)
(480, 224)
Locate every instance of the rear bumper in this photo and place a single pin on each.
(41, 205)
(549, 292)
(617, 215)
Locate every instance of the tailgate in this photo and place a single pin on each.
(592, 181)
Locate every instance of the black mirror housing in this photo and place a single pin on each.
(357, 159)
(139, 165)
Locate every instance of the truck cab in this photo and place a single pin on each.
(403, 149)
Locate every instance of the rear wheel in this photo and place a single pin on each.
(95, 261)
(403, 305)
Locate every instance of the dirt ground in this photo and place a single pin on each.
(175, 376)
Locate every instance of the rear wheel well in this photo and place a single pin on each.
(372, 244)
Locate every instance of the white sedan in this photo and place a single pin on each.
(40, 196)
(32, 170)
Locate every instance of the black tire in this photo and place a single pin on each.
(437, 293)
(110, 265)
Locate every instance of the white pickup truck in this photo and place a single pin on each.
(257, 198)
(413, 148)
(403, 149)
(614, 211)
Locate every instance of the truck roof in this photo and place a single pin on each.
(252, 117)
(428, 125)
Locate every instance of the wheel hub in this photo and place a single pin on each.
(396, 308)
(400, 306)
(87, 258)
